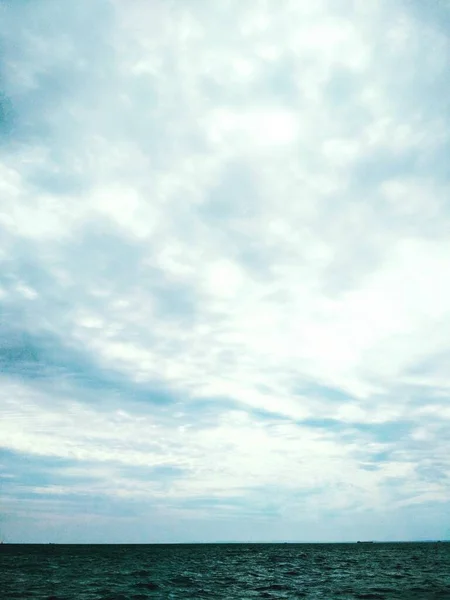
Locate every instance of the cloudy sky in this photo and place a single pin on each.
(225, 270)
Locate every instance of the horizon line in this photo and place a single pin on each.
(419, 541)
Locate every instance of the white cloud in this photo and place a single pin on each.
(242, 203)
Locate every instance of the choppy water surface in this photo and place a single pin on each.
(226, 571)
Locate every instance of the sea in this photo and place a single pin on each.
(406, 571)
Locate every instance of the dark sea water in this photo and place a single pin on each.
(226, 571)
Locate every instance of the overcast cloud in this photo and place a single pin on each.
(224, 278)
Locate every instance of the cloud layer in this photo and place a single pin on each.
(223, 289)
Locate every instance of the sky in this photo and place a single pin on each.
(224, 278)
